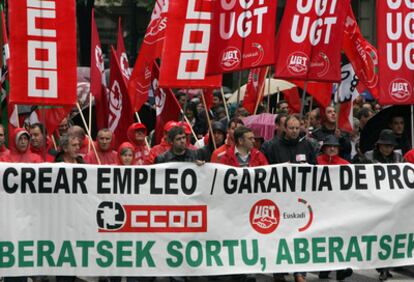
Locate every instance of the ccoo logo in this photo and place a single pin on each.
(110, 216)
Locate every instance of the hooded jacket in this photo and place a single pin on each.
(141, 149)
(324, 159)
(157, 150)
(124, 146)
(15, 156)
(108, 157)
(256, 158)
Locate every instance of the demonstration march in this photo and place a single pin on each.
(231, 140)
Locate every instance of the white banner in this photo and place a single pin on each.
(180, 219)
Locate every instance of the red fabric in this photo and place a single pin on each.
(151, 49)
(409, 156)
(303, 55)
(85, 147)
(327, 160)
(220, 151)
(208, 96)
(361, 54)
(124, 146)
(156, 151)
(120, 111)
(167, 107)
(256, 158)
(254, 88)
(15, 156)
(106, 157)
(184, 61)
(396, 65)
(141, 149)
(44, 151)
(320, 91)
(293, 99)
(98, 83)
(121, 53)
(42, 66)
(53, 117)
(233, 47)
(4, 151)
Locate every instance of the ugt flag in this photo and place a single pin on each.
(310, 40)
(395, 48)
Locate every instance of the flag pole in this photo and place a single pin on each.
(88, 132)
(261, 93)
(224, 103)
(189, 123)
(238, 91)
(90, 118)
(302, 107)
(209, 122)
(139, 120)
(269, 77)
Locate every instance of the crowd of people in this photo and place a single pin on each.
(313, 139)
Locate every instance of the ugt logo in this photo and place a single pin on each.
(110, 216)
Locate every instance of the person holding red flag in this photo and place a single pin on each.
(106, 156)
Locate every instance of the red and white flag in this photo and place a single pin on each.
(43, 52)
(346, 94)
(186, 49)
(361, 54)
(310, 40)
(254, 88)
(98, 82)
(121, 53)
(242, 35)
(395, 48)
(51, 118)
(121, 115)
(151, 48)
(166, 105)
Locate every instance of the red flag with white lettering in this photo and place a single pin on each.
(361, 54)
(42, 52)
(151, 49)
(121, 53)
(242, 35)
(254, 88)
(186, 48)
(166, 105)
(310, 40)
(98, 83)
(121, 115)
(395, 48)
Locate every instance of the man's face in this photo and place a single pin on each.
(247, 141)
(182, 100)
(63, 126)
(2, 137)
(231, 129)
(179, 143)
(331, 150)
(292, 129)
(104, 140)
(330, 115)
(281, 127)
(313, 120)
(22, 143)
(139, 135)
(284, 107)
(385, 150)
(397, 125)
(216, 101)
(37, 138)
(73, 148)
(363, 120)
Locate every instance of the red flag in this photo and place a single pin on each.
(52, 117)
(98, 83)
(121, 53)
(166, 104)
(151, 49)
(321, 92)
(310, 40)
(208, 96)
(43, 52)
(293, 99)
(395, 48)
(121, 115)
(235, 46)
(362, 55)
(254, 88)
(186, 49)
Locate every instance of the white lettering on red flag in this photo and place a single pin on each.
(242, 35)
(43, 52)
(310, 40)
(396, 47)
(186, 48)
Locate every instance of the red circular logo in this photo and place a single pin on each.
(297, 63)
(264, 216)
(400, 90)
(230, 58)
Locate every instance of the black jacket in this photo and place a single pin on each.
(169, 156)
(281, 150)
